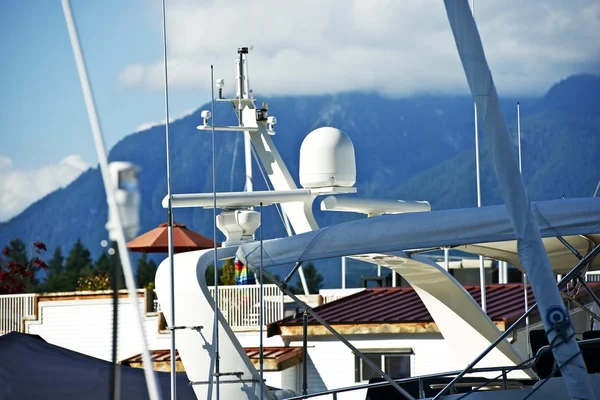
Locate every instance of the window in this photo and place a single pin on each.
(395, 364)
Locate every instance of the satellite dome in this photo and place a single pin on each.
(327, 159)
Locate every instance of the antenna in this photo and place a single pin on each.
(169, 211)
(524, 274)
(481, 263)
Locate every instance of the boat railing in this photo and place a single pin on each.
(240, 305)
(14, 308)
(501, 382)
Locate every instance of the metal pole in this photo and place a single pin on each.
(343, 272)
(526, 295)
(88, 97)
(576, 270)
(519, 136)
(115, 376)
(260, 310)
(169, 209)
(215, 266)
(481, 263)
(305, 352)
(524, 274)
(447, 258)
(337, 335)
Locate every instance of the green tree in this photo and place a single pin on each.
(314, 280)
(94, 282)
(146, 272)
(78, 264)
(17, 252)
(228, 273)
(55, 279)
(103, 264)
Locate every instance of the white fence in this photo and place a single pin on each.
(13, 308)
(240, 305)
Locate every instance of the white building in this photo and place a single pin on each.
(390, 325)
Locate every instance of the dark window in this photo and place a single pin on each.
(395, 364)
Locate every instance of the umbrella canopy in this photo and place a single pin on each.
(156, 240)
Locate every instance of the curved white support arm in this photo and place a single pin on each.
(195, 307)
(467, 330)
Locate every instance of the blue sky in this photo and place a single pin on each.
(398, 48)
(43, 114)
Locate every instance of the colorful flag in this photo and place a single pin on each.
(243, 276)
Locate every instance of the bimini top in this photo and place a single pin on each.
(485, 231)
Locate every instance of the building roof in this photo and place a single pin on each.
(275, 358)
(505, 303)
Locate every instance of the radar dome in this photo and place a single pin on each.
(327, 159)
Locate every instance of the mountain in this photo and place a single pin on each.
(560, 139)
(419, 148)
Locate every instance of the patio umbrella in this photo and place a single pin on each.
(156, 240)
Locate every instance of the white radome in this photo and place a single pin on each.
(327, 159)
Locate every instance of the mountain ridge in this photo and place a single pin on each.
(428, 155)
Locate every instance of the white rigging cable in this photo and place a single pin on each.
(110, 197)
(216, 267)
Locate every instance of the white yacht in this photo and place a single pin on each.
(541, 239)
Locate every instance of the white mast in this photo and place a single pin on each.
(243, 92)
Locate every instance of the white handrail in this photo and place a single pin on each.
(13, 309)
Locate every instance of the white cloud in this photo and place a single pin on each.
(395, 47)
(19, 188)
(147, 125)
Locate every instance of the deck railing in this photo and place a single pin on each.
(13, 309)
(240, 305)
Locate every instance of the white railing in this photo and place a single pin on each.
(13, 309)
(593, 276)
(240, 305)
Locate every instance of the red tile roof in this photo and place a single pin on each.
(279, 354)
(403, 305)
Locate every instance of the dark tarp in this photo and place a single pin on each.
(31, 368)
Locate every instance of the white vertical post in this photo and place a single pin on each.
(481, 263)
(524, 274)
(394, 278)
(343, 272)
(447, 258)
(248, 161)
(379, 270)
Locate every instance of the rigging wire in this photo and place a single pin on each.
(215, 266)
(261, 310)
(169, 209)
(110, 197)
(530, 361)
